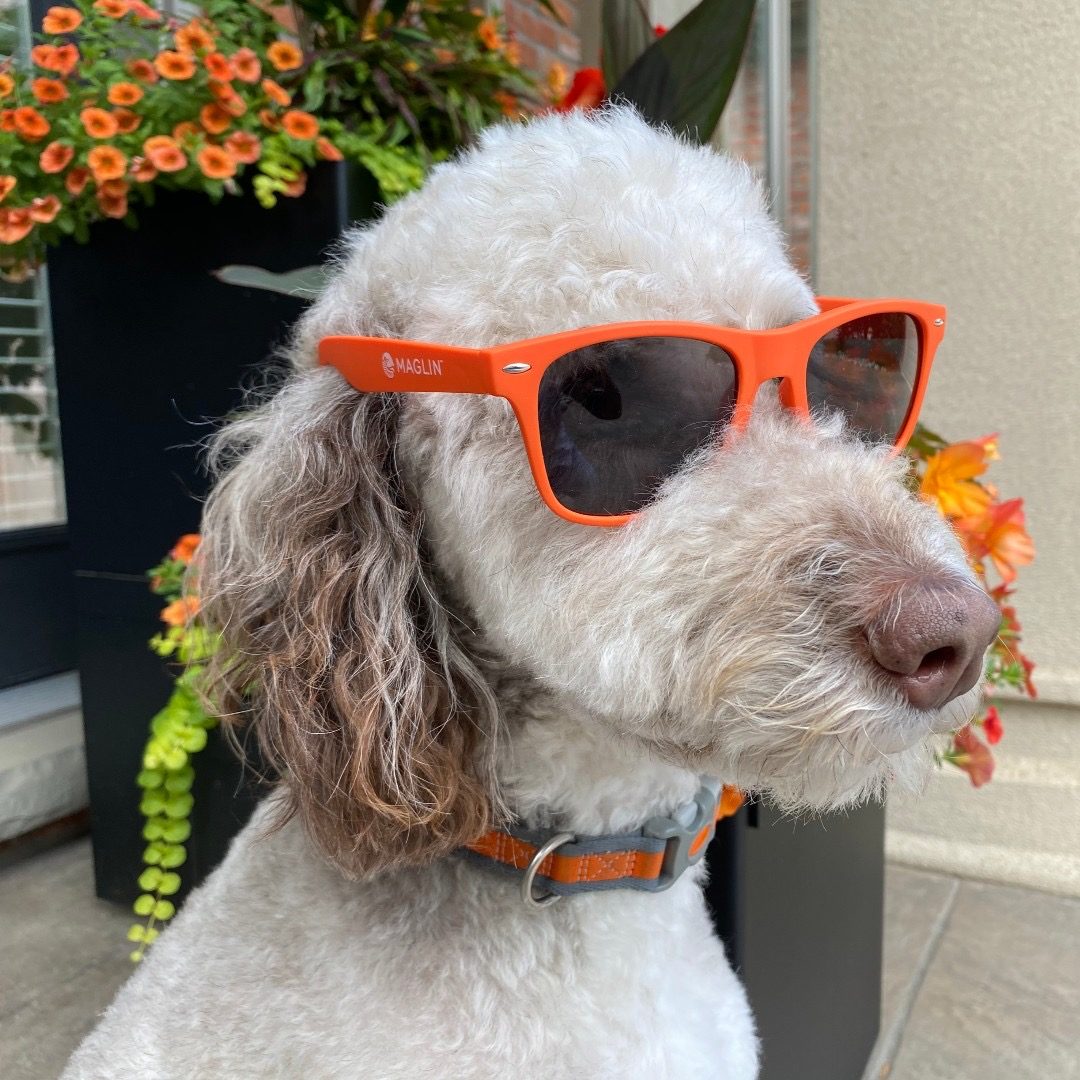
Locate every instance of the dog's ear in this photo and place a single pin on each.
(336, 649)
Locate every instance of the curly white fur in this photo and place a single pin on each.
(600, 669)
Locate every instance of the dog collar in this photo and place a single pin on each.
(651, 859)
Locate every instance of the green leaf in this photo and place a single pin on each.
(153, 853)
(144, 905)
(149, 879)
(150, 779)
(170, 884)
(172, 856)
(179, 806)
(627, 33)
(176, 832)
(180, 781)
(306, 282)
(684, 78)
(136, 932)
(163, 910)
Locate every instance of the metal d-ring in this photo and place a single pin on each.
(542, 853)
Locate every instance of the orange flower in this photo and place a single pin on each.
(184, 548)
(488, 33)
(64, 59)
(295, 188)
(284, 56)
(164, 154)
(949, 479)
(992, 726)
(277, 94)
(246, 65)
(142, 70)
(99, 124)
(76, 180)
(125, 93)
(214, 118)
(445, 56)
(7, 84)
(228, 98)
(269, 119)
(244, 146)
(15, 225)
(30, 124)
(44, 209)
(216, 163)
(112, 206)
(61, 20)
(506, 101)
(144, 11)
(327, 150)
(7, 120)
(218, 67)
(193, 38)
(970, 753)
(106, 163)
(300, 125)
(115, 9)
(114, 188)
(126, 120)
(558, 79)
(1000, 535)
(180, 611)
(7, 185)
(142, 170)
(48, 91)
(174, 65)
(587, 91)
(55, 157)
(512, 52)
(187, 132)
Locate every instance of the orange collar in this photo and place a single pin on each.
(651, 859)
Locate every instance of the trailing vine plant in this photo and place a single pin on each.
(177, 733)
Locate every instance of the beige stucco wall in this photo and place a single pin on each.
(949, 169)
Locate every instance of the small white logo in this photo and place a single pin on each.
(388, 365)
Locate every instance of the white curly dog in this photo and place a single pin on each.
(431, 645)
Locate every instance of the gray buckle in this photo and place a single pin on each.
(679, 837)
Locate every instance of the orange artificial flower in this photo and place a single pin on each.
(269, 120)
(193, 38)
(15, 225)
(214, 118)
(218, 67)
(7, 185)
(76, 180)
(106, 163)
(44, 208)
(284, 56)
(30, 124)
(142, 170)
(246, 65)
(48, 91)
(7, 84)
(327, 150)
(55, 157)
(184, 548)
(999, 534)
(99, 124)
(187, 132)
(115, 9)
(277, 94)
(180, 611)
(587, 91)
(244, 146)
(126, 121)
(949, 479)
(142, 70)
(300, 125)
(61, 20)
(164, 154)
(488, 33)
(216, 163)
(174, 65)
(125, 93)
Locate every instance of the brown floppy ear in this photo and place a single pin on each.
(336, 648)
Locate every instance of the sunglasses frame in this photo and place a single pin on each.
(514, 371)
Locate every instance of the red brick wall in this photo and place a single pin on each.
(543, 41)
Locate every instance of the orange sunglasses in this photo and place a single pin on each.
(609, 412)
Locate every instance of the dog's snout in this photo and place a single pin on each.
(932, 646)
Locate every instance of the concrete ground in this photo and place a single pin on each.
(982, 982)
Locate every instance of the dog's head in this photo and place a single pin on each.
(363, 552)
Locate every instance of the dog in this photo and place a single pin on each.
(428, 654)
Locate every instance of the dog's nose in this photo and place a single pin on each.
(933, 645)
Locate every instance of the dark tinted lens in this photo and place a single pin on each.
(618, 418)
(867, 369)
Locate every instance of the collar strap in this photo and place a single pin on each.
(651, 859)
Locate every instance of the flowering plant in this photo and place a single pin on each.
(994, 535)
(176, 733)
(120, 100)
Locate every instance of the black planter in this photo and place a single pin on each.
(151, 350)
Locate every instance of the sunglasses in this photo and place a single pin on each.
(608, 413)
